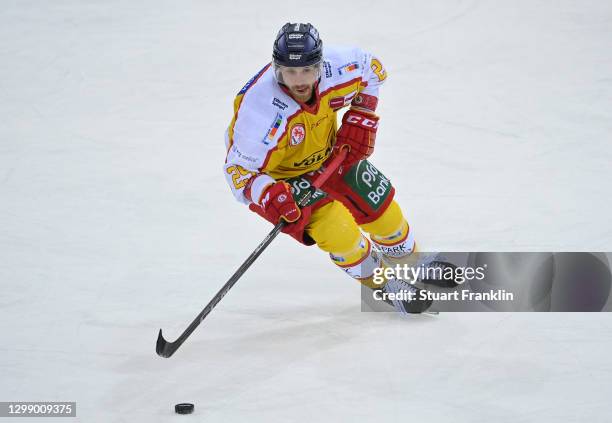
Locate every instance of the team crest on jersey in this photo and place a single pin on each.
(273, 128)
(298, 133)
(349, 67)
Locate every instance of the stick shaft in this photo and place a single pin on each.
(165, 348)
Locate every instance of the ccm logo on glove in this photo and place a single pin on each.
(363, 121)
(358, 133)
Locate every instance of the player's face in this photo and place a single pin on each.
(299, 80)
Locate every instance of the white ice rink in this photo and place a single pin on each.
(115, 218)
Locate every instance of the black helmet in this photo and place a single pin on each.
(297, 44)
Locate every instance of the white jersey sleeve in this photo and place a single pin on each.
(251, 136)
(344, 62)
(374, 74)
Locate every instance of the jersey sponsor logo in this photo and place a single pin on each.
(243, 156)
(298, 133)
(301, 184)
(377, 184)
(339, 102)
(336, 103)
(328, 69)
(316, 157)
(349, 67)
(280, 104)
(273, 129)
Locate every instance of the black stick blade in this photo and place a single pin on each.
(163, 348)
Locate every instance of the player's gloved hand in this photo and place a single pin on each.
(278, 203)
(358, 133)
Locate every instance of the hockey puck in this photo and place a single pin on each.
(184, 408)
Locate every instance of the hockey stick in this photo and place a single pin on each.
(165, 348)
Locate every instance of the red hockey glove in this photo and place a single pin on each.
(358, 132)
(277, 202)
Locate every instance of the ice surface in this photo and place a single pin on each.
(115, 219)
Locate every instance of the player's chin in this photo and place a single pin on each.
(302, 93)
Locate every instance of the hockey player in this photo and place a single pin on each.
(284, 130)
